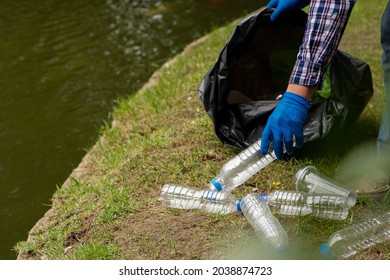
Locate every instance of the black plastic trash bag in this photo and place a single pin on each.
(242, 88)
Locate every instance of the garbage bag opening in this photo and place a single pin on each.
(242, 88)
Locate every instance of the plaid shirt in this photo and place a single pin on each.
(326, 23)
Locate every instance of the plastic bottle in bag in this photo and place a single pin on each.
(358, 237)
(265, 224)
(287, 202)
(310, 180)
(183, 197)
(241, 167)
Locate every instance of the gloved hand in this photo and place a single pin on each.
(288, 119)
(283, 6)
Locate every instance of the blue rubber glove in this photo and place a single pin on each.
(288, 119)
(283, 6)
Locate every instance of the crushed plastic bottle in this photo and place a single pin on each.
(309, 180)
(241, 167)
(287, 202)
(184, 197)
(358, 237)
(265, 224)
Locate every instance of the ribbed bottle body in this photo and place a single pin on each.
(184, 197)
(332, 207)
(289, 202)
(266, 226)
(241, 167)
(358, 237)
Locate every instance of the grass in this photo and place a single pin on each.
(109, 207)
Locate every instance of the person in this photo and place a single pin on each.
(326, 23)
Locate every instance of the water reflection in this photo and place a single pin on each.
(62, 65)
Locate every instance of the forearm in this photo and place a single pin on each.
(326, 24)
(302, 90)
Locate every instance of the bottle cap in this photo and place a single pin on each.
(238, 205)
(325, 251)
(263, 197)
(216, 184)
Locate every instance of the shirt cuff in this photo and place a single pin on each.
(306, 73)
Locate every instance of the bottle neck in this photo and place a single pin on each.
(216, 183)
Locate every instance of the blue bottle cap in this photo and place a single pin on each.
(325, 251)
(263, 197)
(216, 184)
(238, 205)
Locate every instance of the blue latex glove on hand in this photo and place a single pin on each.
(288, 119)
(283, 6)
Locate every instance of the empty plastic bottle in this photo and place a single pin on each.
(266, 226)
(241, 167)
(309, 180)
(287, 203)
(324, 206)
(358, 237)
(183, 197)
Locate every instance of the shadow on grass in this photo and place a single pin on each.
(340, 145)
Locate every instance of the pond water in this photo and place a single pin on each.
(62, 66)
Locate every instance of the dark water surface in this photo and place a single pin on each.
(62, 65)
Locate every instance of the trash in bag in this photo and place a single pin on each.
(252, 71)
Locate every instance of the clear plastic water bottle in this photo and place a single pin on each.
(241, 167)
(309, 180)
(265, 224)
(287, 202)
(358, 237)
(183, 197)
